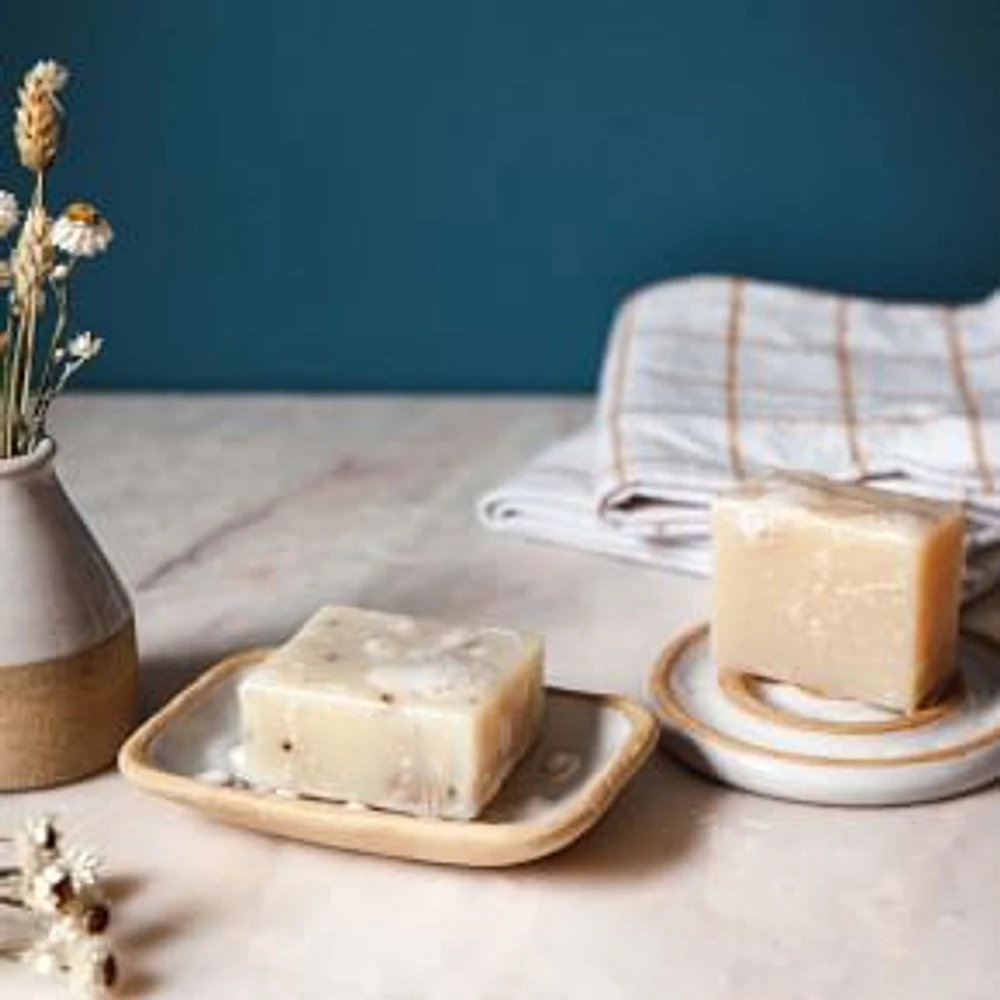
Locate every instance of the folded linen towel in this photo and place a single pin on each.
(706, 380)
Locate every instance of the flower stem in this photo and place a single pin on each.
(24, 397)
(12, 374)
(46, 390)
(9, 370)
(14, 951)
(4, 382)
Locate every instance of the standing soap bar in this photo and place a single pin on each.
(394, 712)
(846, 590)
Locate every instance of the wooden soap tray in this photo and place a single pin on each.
(590, 747)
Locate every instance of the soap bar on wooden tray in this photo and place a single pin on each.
(847, 590)
(393, 712)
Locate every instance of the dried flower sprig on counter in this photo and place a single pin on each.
(37, 352)
(57, 893)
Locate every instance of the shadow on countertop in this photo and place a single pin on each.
(654, 823)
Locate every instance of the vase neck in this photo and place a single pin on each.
(40, 459)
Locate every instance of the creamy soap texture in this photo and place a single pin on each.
(847, 590)
(394, 712)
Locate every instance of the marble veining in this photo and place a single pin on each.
(234, 517)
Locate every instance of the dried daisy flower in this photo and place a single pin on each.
(39, 833)
(95, 917)
(50, 890)
(63, 364)
(81, 231)
(63, 932)
(88, 907)
(84, 346)
(85, 963)
(68, 885)
(59, 894)
(42, 959)
(84, 867)
(38, 120)
(92, 967)
(9, 213)
(36, 843)
(39, 361)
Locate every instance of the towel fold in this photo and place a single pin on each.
(707, 380)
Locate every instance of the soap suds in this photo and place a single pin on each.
(380, 646)
(400, 624)
(456, 637)
(214, 776)
(754, 522)
(561, 765)
(446, 679)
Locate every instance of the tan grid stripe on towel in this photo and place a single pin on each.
(710, 378)
(681, 380)
(763, 345)
(845, 378)
(623, 343)
(956, 356)
(733, 329)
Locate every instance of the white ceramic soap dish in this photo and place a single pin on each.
(778, 740)
(590, 747)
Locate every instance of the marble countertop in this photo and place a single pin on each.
(233, 517)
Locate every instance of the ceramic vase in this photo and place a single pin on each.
(68, 662)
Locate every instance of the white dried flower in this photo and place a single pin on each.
(49, 891)
(84, 866)
(60, 272)
(84, 346)
(62, 933)
(41, 832)
(9, 213)
(93, 970)
(42, 958)
(67, 951)
(47, 75)
(62, 893)
(36, 843)
(81, 231)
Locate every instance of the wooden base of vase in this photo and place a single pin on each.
(63, 719)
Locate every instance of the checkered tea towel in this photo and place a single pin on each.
(706, 380)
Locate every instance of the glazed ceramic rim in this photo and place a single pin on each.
(677, 717)
(41, 455)
(738, 688)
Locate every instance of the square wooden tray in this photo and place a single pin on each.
(590, 747)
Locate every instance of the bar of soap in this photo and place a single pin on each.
(846, 590)
(392, 712)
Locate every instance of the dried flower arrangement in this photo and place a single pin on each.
(36, 367)
(58, 893)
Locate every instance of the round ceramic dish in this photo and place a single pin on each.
(778, 740)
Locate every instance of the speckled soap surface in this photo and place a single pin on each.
(233, 518)
(847, 590)
(384, 710)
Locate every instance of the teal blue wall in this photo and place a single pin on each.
(423, 194)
